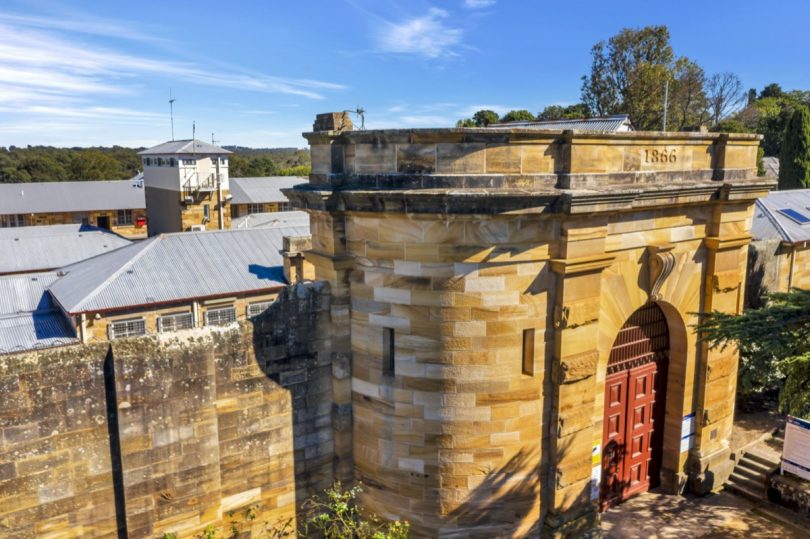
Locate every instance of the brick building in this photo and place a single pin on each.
(518, 306)
(261, 195)
(117, 205)
(780, 250)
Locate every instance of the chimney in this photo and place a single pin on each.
(333, 121)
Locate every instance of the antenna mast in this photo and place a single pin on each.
(193, 137)
(171, 110)
(360, 111)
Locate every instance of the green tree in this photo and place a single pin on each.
(687, 96)
(794, 160)
(522, 115)
(771, 90)
(484, 117)
(466, 122)
(628, 73)
(558, 112)
(774, 346)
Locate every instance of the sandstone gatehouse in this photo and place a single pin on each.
(498, 341)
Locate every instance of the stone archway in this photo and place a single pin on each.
(635, 397)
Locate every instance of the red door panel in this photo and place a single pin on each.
(634, 406)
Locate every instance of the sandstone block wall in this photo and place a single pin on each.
(56, 475)
(153, 435)
(453, 438)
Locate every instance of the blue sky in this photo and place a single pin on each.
(98, 72)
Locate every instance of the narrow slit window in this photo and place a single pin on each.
(388, 351)
(528, 351)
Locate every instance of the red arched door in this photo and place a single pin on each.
(635, 391)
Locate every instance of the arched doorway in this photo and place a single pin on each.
(635, 393)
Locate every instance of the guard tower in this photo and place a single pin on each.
(518, 306)
(186, 187)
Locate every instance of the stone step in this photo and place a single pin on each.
(766, 460)
(737, 480)
(754, 466)
(745, 471)
(746, 487)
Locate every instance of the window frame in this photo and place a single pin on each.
(129, 331)
(127, 214)
(222, 309)
(174, 317)
(260, 304)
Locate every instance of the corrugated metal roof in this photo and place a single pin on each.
(265, 189)
(173, 267)
(619, 122)
(271, 220)
(26, 292)
(185, 147)
(48, 197)
(39, 248)
(31, 331)
(769, 223)
(771, 166)
(28, 319)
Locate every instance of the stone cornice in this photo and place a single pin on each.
(497, 200)
(585, 264)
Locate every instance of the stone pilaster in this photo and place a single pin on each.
(576, 313)
(709, 460)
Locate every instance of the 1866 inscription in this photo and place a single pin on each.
(660, 156)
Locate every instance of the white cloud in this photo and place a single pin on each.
(478, 4)
(428, 36)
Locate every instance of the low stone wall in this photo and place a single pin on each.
(792, 492)
(153, 435)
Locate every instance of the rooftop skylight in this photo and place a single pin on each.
(794, 215)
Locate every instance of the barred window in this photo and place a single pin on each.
(8, 221)
(255, 309)
(220, 316)
(124, 217)
(175, 322)
(126, 328)
(255, 208)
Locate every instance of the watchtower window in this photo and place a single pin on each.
(388, 351)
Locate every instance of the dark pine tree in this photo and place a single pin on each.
(794, 161)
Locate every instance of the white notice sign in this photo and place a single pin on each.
(796, 451)
(688, 432)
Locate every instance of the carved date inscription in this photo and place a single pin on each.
(660, 156)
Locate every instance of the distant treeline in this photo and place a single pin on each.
(49, 164)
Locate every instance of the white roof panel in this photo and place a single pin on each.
(770, 223)
(49, 197)
(174, 267)
(261, 190)
(40, 248)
